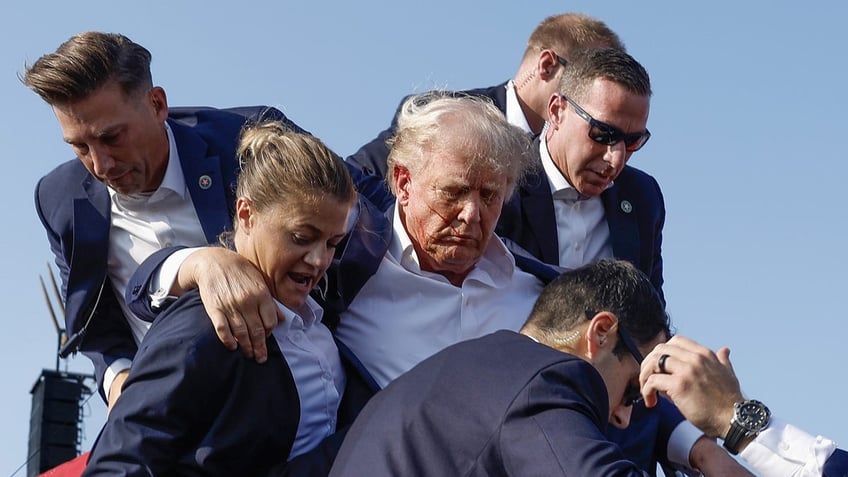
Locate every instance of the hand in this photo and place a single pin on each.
(701, 383)
(116, 388)
(236, 297)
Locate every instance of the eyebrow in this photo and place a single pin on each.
(109, 131)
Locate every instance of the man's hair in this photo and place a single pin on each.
(585, 66)
(280, 166)
(86, 62)
(615, 286)
(466, 126)
(569, 32)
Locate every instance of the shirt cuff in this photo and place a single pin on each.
(681, 441)
(165, 275)
(783, 449)
(116, 367)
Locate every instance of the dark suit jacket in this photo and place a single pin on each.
(192, 407)
(497, 405)
(371, 157)
(75, 210)
(634, 209)
(836, 465)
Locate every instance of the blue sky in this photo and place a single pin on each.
(748, 121)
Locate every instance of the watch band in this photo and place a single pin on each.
(734, 437)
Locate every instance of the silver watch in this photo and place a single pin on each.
(749, 418)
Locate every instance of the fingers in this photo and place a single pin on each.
(724, 357)
(222, 329)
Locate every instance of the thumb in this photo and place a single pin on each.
(723, 355)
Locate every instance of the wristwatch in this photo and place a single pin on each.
(749, 418)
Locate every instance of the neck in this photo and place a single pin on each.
(534, 120)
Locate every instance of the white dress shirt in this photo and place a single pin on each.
(313, 359)
(514, 113)
(403, 315)
(142, 224)
(783, 450)
(583, 234)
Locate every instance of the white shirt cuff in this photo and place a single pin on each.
(109, 376)
(681, 441)
(165, 276)
(783, 449)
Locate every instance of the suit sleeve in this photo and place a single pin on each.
(188, 404)
(154, 421)
(371, 158)
(138, 287)
(108, 336)
(836, 465)
(553, 428)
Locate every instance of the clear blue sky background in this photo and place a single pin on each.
(749, 132)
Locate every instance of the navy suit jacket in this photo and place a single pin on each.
(74, 208)
(634, 210)
(836, 465)
(497, 405)
(192, 407)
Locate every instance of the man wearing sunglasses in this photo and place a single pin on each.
(585, 203)
(524, 99)
(530, 403)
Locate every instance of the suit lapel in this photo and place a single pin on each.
(204, 180)
(537, 206)
(621, 219)
(91, 223)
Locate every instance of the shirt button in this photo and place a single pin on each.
(784, 446)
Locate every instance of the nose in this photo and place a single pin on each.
(616, 155)
(101, 161)
(470, 211)
(319, 256)
(620, 416)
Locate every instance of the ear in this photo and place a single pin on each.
(159, 101)
(556, 110)
(599, 335)
(402, 180)
(245, 214)
(547, 65)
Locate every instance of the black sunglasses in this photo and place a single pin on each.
(607, 134)
(632, 394)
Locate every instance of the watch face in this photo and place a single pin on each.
(752, 415)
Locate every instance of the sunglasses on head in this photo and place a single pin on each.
(607, 134)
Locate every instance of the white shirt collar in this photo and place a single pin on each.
(172, 182)
(514, 114)
(310, 312)
(174, 179)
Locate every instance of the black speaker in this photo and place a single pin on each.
(55, 419)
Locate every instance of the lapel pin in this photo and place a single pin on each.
(204, 182)
(626, 206)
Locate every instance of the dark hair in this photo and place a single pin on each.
(615, 286)
(85, 63)
(585, 66)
